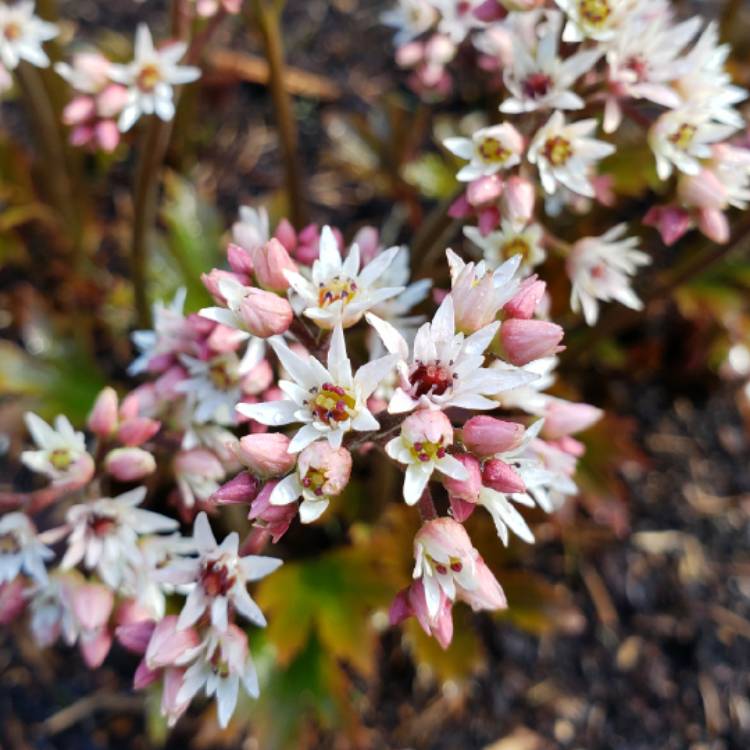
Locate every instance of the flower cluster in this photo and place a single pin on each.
(630, 63)
(262, 400)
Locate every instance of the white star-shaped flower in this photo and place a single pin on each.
(330, 401)
(446, 368)
(339, 291)
(151, 78)
(22, 34)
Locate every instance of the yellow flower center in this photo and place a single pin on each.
(683, 136)
(220, 376)
(425, 451)
(148, 78)
(595, 12)
(314, 480)
(12, 32)
(493, 152)
(9, 545)
(558, 151)
(60, 458)
(332, 404)
(339, 288)
(516, 246)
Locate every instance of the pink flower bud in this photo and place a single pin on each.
(518, 201)
(111, 101)
(107, 135)
(239, 260)
(135, 636)
(334, 464)
(427, 426)
(224, 339)
(466, 489)
(171, 707)
(129, 464)
(266, 455)
(308, 244)
(704, 190)
(265, 314)
(143, 676)
(276, 519)
(487, 593)
(444, 538)
(211, 282)
(412, 602)
(92, 605)
(562, 418)
(242, 489)
(168, 643)
(136, 431)
(487, 436)
(410, 54)
(671, 222)
(460, 208)
(714, 225)
(490, 11)
(94, 647)
(270, 261)
(259, 379)
(488, 219)
(527, 340)
(103, 418)
(485, 190)
(286, 235)
(501, 477)
(368, 241)
(78, 110)
(12, 600)
(527, 299)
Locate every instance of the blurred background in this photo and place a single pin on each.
(629, 621)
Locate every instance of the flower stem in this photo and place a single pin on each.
(267, 13)
(426, 506)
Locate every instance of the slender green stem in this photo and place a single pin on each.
(268, 16)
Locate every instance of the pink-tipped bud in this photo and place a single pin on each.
(671, 222)
(212, 282)
(501, 477)
(107, 135)
(12, 600)
(427, 426)
(168, 643)
(527, 340)
(92, 605)
(368, 241)
(94, 647)
(518, 201)
(527, 299)
(266, 455)
(276, 519)
(490, 11)
(80, 109)
(488, 219)
(704, 190)
(486, 436)
(461, 509)
(136, 431)
(111, 101)
(143, 676)
(714, 225)
(332, 465)
(465, 489)
(410, 54)
(562, 418)
(411, 602)
(240, 490)
(265, 314)
(239, 260)
(103, 418)
(286, 235)
(487, 593)
(129, 464)
(485, 190)
(270, 261)
(135, 636)
(460, 208)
